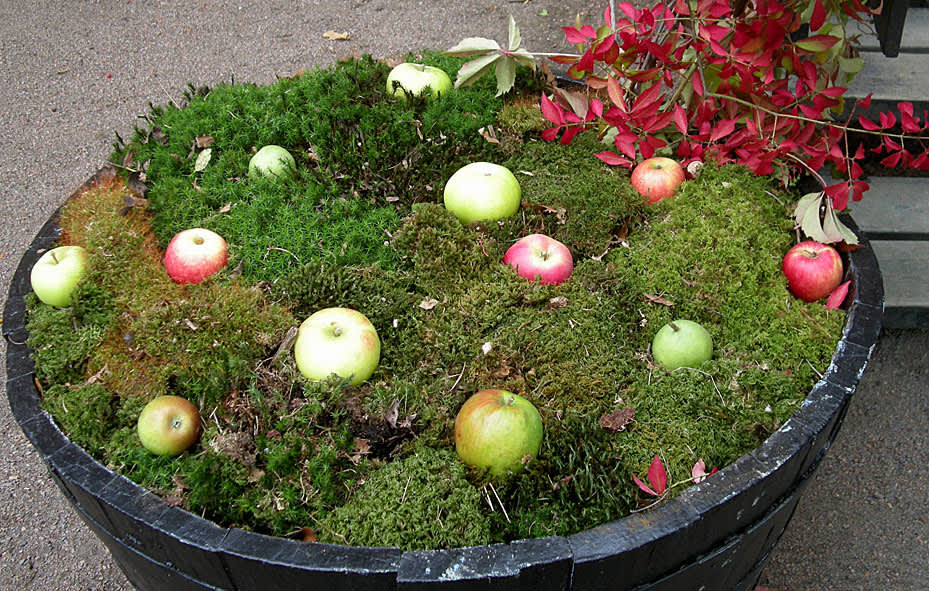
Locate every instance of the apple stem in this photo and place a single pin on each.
(337, 331)
(510, 400)
(673, 326)
(54, 258)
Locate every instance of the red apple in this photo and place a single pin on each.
(195, 254)
(813, 270)
(540, 257)
(168, 425)
(498, 431)
(657, 178)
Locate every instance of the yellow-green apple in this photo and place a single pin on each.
(813, 270)
(272, 161)
(57, 272)
(168, 425)
(657, 178)
(540, 257)
(416, 80)
(682, 343)
(338, 341)
(497, 431)
(195, 254)
(482, 191)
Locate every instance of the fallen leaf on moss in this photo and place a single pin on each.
(428, 303)
(617, 420)
(205, 141)
(657, 299)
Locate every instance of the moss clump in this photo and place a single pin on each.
(362, 157)
(420, 502)
(85, 411)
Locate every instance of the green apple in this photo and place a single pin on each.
(272, 161)
(57, 272)
(338, 341)
(416, 80)
(482, 191)
(498, 431)
(168, 425)
(682, 343)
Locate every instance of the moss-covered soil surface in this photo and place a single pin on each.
(362, 226)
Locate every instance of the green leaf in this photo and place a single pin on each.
(515, 39)
(473, 46)
(203, 158)
(506, 75)
(851, 65)
(807, 216)
(834, 229)
(473, 70)
(524, 57)
(817, 43)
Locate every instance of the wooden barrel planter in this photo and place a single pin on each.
(714, 536)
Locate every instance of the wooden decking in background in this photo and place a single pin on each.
(894, 213)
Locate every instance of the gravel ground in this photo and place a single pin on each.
(72, 74)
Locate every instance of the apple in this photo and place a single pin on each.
(272, 161)
(57, 272)
(813, 270)
(482, 191)
(498, 431)
(195, 254)
(682, 343)
(657, 178)
(168, 425)
(417, 80)
(541, 257)
(338, 341)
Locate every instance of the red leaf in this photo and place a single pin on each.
(697, 84)
(819, 16)
(645, 488)
(617, 95)
(865, 103)
(614, 159)
(868, 124)
(657, 476)
(838, 295)
(722, 129)
(550, 134)
(680, 118)
(551, 111)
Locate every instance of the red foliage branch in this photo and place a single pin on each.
(710, 80)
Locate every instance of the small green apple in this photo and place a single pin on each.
(682, 343)
(338, 341)
(482, 191)
(272, 161)
(168, 425)
(498, 431)
(57, 272)
(417, 80)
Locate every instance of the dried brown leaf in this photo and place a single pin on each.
(617, 420)
(336, 36)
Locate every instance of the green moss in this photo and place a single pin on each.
(361, 226)
(420, 502)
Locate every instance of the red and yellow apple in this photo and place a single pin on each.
(657, 178)
(195, 254)
(540, 257)
(168, 425)
(813, 270)
(497, 431)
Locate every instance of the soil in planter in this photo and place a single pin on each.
(361, 226)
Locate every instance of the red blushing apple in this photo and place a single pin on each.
(538, 256)
(497, 431)
(813, 270)
(195, 254)
(657, 178)
(168, 425)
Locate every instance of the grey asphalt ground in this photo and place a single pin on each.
(73, 73)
